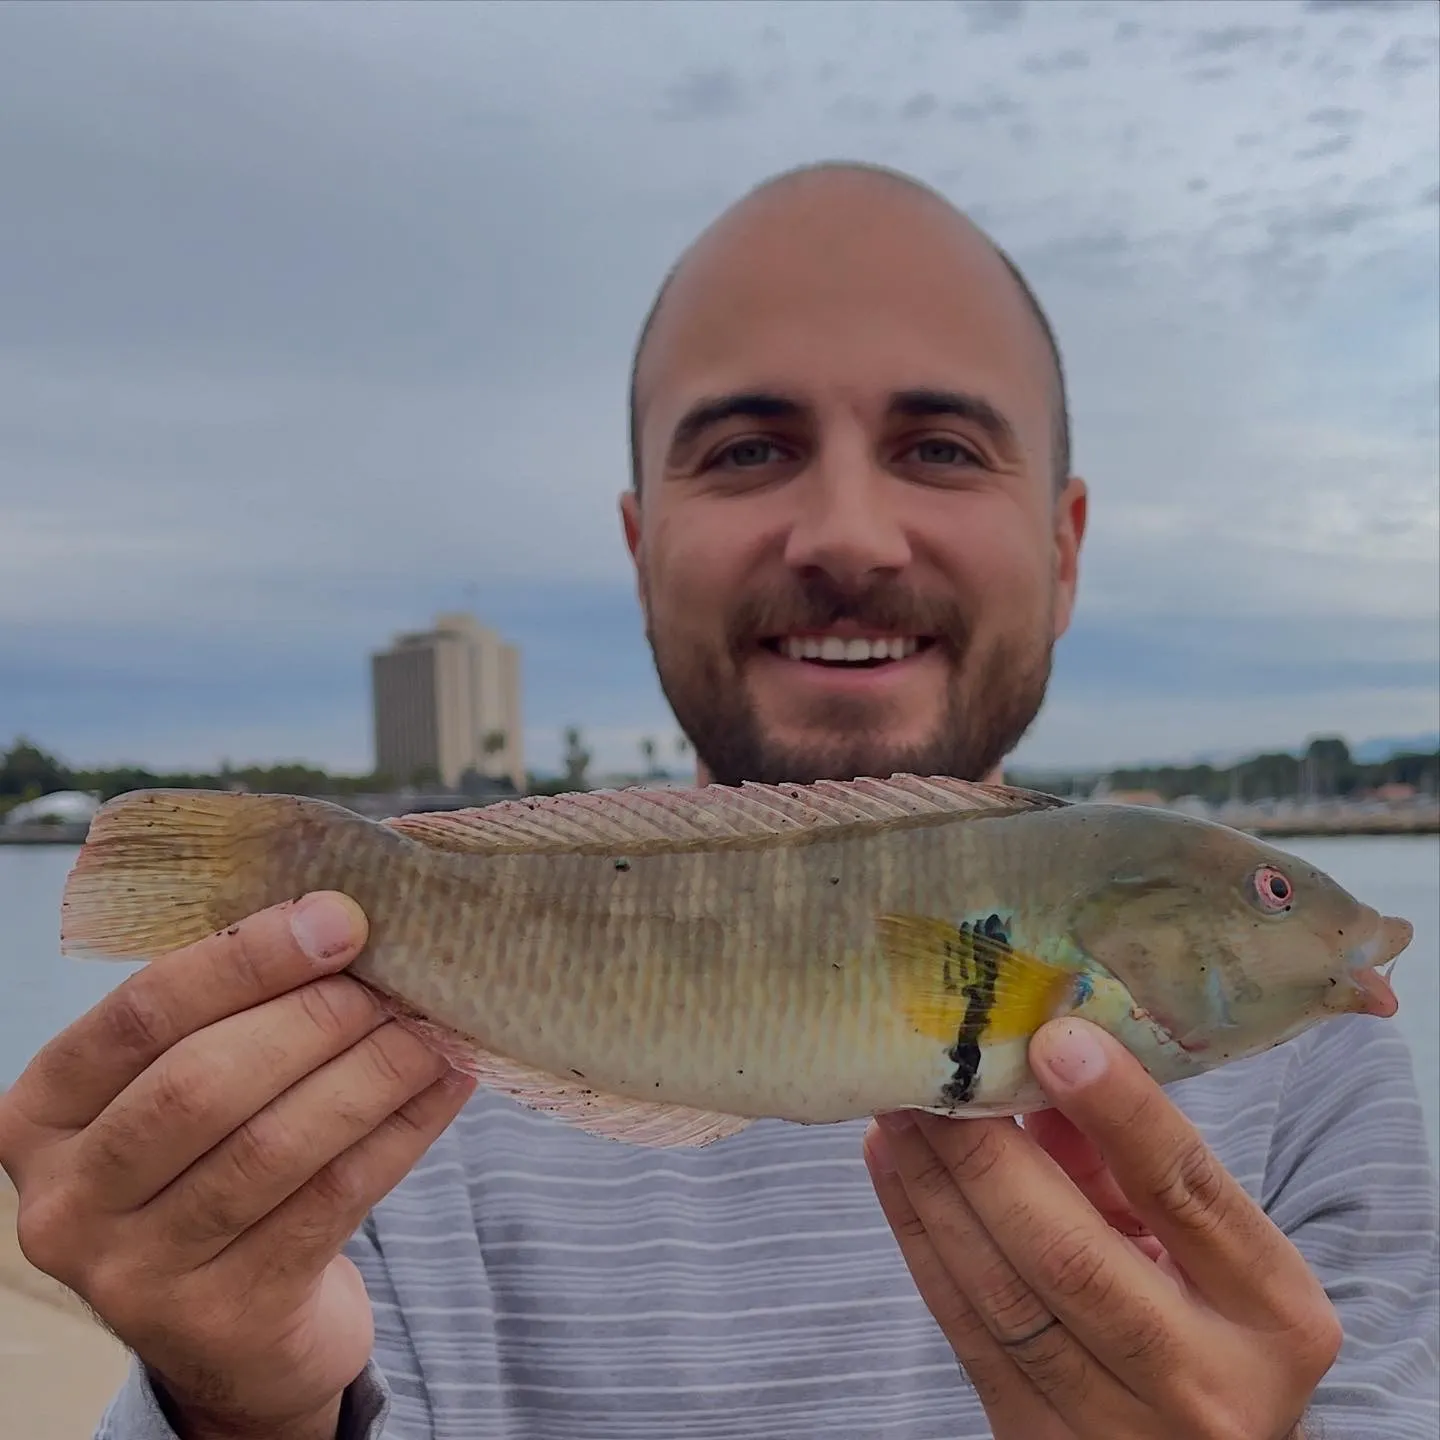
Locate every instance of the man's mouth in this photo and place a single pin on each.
(847, 651)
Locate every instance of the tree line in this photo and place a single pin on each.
(28, 772)
(1326, 769)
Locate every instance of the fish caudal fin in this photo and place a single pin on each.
(161, 869)
(962, 983)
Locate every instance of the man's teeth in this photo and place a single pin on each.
(851, 652)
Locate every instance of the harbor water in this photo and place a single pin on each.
(43, 992)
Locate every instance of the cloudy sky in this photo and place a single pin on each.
(315, 319)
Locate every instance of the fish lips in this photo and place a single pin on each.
(1373, 994)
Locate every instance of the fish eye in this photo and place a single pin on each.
(1272, 889)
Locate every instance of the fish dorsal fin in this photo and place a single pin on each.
(640, 819)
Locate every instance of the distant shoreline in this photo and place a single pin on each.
(1368, 827)
(43, 834)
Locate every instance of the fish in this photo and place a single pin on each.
(664, 967)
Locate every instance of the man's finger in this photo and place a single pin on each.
(1129, 1315)
(1061, 1341)
(91, 1061)
(1078, 1157)
(212, 1083)
(276, 1152)
(312, 1226)
(1012, 1404)
(1228, 1248)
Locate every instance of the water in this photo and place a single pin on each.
(1400, 875)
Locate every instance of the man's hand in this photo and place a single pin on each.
(1141, 1294)
(193, 1153)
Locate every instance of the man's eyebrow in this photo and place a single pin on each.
(750, 404)
(923, 404)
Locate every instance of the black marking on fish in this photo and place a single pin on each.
(973, 975)
(622, 864)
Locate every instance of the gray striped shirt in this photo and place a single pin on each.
(533, 1281)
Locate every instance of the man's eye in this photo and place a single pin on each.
(944, 452)
(746, 454)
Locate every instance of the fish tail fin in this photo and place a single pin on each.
(160, 869)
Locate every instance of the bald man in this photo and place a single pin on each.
(856, 539)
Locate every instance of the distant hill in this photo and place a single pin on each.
(1371, 752)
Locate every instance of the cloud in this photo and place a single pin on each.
(317, 321)
(1369, 7)
(1323, 220)
(992, 107)
(1337, 117)
(1071, 58)
(920, 106)
(1227, 39)
(854, 110)
(704, 95)
(1407, 54)
(992, 17)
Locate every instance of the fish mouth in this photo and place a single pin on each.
(1370, 967)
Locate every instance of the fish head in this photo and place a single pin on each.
(1228, 943)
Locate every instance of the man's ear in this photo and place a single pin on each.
(630, 521)
(1071, 513)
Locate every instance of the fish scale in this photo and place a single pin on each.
(665, 966)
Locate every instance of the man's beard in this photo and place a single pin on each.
(989, 705)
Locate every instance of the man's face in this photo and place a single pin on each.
(851, 556)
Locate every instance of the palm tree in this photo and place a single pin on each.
(577, 758)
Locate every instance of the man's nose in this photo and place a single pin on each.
(848, 525)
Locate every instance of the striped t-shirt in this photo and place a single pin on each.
(531, 1282)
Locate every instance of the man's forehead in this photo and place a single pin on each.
(846, 259)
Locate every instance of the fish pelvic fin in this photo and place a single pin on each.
(966, 984)
(569, 1099)
(640, 821)
(161, 869)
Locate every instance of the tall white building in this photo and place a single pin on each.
(447, 701)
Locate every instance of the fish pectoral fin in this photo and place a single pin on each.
(571, 1101)
(966, 981)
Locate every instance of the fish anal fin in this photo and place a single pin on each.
(571, 1100)
(968, 981)
(639, 820)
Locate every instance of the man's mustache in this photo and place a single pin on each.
(817, 603)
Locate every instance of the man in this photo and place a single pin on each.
(849, 425)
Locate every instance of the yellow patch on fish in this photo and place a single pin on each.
(961, 978)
